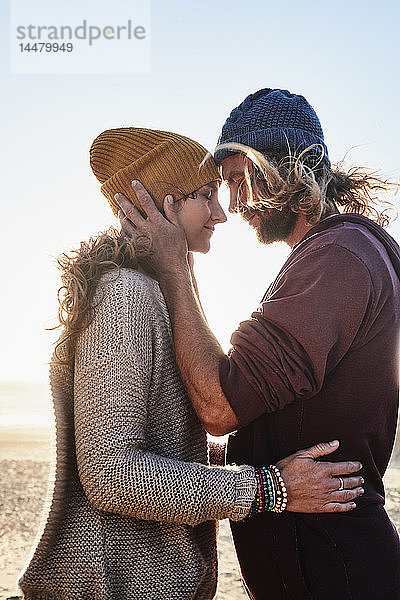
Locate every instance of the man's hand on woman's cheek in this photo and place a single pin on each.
(167, 238)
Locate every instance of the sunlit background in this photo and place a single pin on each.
(206, 57)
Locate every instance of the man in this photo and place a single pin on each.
(318, 360)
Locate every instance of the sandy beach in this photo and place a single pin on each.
(24, 461)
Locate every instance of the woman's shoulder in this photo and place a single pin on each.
(127, 283)
(127, 313)
(128, 297)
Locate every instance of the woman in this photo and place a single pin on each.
(134, 504)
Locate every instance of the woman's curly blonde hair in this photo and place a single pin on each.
(307, 185)
(81, 272)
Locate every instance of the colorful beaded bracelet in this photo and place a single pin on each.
(271, 494)
(282, 497)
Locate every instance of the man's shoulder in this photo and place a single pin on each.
(350, 240)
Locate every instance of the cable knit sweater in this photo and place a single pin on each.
(133, 505)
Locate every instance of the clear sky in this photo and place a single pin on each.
(205, 58)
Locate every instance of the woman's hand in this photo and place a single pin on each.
(314, 486)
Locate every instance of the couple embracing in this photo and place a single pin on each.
(138, 378)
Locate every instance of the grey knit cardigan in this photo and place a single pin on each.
(133, 505)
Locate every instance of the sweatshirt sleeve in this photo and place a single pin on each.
(117, 471)
(299, 335)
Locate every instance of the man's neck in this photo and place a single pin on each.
(302, 228)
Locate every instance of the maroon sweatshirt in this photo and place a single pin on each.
(319, 361)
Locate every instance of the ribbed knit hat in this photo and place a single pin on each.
(166, 163)
(274, 120)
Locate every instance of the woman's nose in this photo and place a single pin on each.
(218, 214)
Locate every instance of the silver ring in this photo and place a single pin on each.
(341, 484)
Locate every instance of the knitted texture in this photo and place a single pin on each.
(133, 509)
(166, 163)
(274, 120)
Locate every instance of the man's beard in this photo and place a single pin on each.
(271, 225)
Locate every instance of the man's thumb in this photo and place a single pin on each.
(322, 449)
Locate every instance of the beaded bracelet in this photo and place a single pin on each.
(282, 498)
(271, 494)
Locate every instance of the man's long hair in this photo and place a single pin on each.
(306, 184)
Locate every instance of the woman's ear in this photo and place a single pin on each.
(169, 210)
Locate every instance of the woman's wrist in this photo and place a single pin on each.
(244, 491)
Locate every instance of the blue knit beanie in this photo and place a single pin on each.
(274, 120)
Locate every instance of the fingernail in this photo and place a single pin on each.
(362, 480)
(116, 196)
(334, 443)
(353, 504)
(134, 182)
(361, 491)
(170, 199)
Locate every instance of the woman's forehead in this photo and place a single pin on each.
(214, 185)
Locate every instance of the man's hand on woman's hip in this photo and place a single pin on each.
(320, 487)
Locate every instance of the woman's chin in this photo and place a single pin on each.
(200, 247)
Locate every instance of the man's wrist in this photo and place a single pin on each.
(175, 276)
(175, 282)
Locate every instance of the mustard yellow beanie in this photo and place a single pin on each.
(166, 163)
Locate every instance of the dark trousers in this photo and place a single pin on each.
(348, 556)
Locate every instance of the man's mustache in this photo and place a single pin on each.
(247, 212)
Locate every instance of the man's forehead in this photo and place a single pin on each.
(234, 165)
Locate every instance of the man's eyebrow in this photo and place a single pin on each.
(233, 174)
